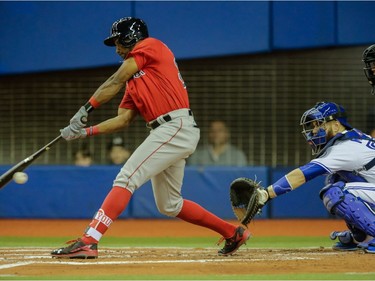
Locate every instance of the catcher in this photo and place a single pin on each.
(343, 153)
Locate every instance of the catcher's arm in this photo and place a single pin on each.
(287, 183)
(247, 199)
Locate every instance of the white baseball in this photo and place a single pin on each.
(20, 177)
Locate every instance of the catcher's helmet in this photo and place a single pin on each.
(128, 30)
(368, 58)
(321, 113)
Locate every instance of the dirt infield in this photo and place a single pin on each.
(34, 262)
(135, 261)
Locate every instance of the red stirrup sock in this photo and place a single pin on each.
(114, 204)
(195, 214)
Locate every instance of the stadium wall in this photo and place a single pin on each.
(57, 35)
(69, 192)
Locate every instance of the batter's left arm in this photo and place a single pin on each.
(116, 82)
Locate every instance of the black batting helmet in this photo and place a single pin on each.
(368, 58)
(128, 30)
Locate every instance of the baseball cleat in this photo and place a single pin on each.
(368, 247)
(335, 234)
(233, 243)
(345, 246)
(76, 250)
(346, 241)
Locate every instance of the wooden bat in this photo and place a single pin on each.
(8, 175)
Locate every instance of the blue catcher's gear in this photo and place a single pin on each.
(368, 247)
(345, 205)
(317, 116)
(128, 31)
(368, 58)
(345, 243)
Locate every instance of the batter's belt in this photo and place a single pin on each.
(168, 117)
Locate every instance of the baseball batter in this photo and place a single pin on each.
(348, 157)
(368, 58)
(156, 91)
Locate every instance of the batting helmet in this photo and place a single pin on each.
(321, 113)
(128, 31)
(368, 58)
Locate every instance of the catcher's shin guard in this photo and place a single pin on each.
(353, 210)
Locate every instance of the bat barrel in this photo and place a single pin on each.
(8, 175)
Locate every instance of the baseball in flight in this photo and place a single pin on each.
(20, 177)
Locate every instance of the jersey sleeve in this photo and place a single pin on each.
(341, 156)
(312, 170)
(144, 53)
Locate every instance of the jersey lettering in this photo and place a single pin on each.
(371, 144)
(139, 74)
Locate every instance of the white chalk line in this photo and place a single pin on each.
(89, 263)
(86, 263)
(6, 266)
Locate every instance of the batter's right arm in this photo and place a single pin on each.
(124, 118)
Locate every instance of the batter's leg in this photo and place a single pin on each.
(167, 191)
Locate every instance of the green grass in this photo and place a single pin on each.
(194, 242)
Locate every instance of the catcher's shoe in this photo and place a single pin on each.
(368, 247)
(233, 243)
(346, 241)
(77, 250)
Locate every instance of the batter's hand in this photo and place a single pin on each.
(69, 133)
(79, 120)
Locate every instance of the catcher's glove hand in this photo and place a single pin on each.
(245, 199)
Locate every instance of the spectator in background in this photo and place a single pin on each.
(118, 154)
(83, 157)
(219, 151)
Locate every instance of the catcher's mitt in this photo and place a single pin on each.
(244, 199)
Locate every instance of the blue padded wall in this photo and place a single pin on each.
(301, 24)
(54, 35)
(303, 202)
(74, 192)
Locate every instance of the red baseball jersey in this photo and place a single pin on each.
(157, 88)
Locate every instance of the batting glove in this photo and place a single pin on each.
(69, 133)
(79, 119)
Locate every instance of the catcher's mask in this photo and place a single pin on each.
(313, 123)
(368, 58)
(128, 31)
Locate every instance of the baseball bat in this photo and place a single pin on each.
(8, 175)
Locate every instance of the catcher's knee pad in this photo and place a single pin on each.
(332, 195)
(353, 210)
